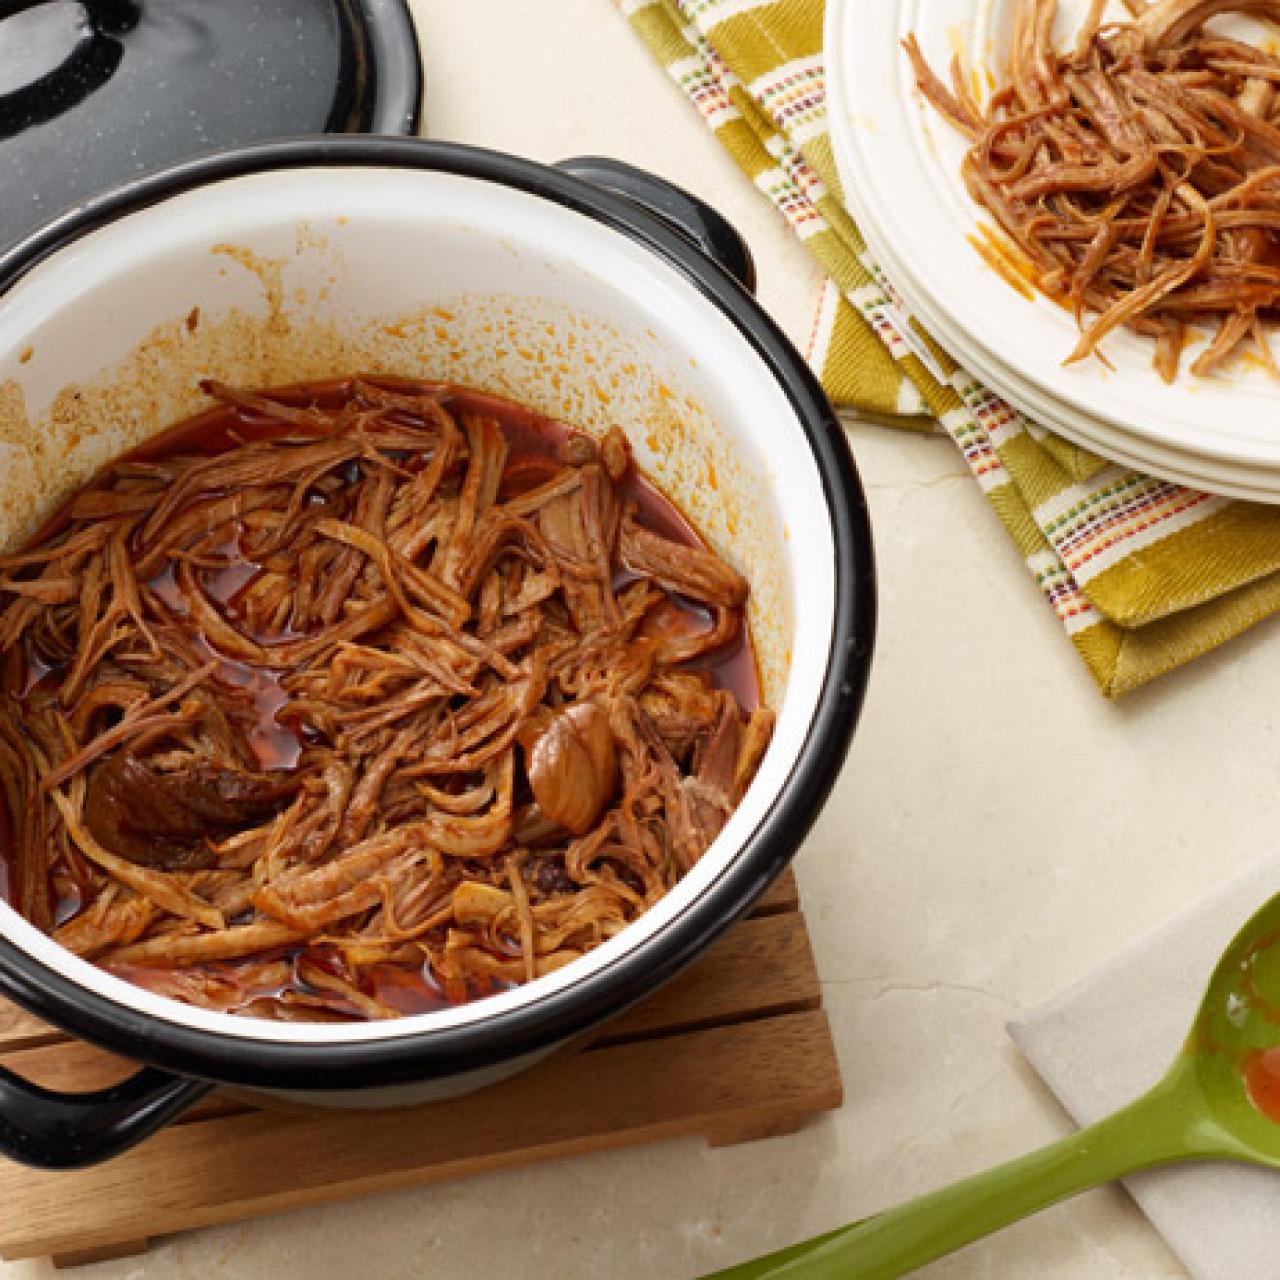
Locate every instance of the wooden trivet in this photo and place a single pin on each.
(736, 1048)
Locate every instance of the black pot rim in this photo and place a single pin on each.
(448, 1051)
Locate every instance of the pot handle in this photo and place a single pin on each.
(114, 17)
(705, 228)
(89, 65)
(50, 1130)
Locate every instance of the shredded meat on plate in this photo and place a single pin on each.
(366, 708)
(1138, 170)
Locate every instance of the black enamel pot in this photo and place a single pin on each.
(592, 291)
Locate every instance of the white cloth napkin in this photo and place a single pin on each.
(1111, 1035)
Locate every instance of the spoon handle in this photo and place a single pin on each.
(1170, 1123)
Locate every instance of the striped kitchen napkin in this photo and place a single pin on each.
(1143, 574)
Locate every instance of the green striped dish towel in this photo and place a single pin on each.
(1144, 575)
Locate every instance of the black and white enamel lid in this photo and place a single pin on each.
(94, 93)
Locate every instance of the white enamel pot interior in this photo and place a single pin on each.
(314, 259)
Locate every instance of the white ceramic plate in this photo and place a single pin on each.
(1252, 482)
(900, 165)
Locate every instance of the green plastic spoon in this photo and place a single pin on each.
(1220, 1101)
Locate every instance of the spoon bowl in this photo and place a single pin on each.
(1220, 1100)
(1233, 1051)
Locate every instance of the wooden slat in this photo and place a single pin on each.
(782, 895)
(18, 1028)
(773, 1071)
(105, 1253)
(763, 967)
(69, 1065)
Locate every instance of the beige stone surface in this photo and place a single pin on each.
(998, 830)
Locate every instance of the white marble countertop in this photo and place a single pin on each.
(998, 830)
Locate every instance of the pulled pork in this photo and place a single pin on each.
(347, 700)
(1139, 171)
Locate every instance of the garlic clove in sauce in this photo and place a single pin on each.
(573, 766)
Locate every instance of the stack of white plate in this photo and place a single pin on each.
(899, 163)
